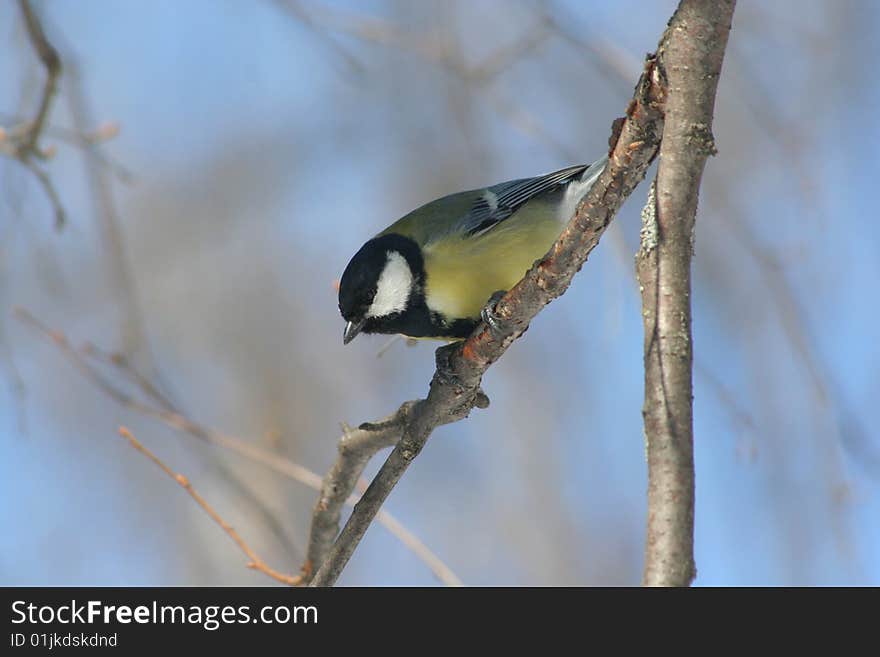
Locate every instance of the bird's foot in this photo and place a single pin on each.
(497, 325)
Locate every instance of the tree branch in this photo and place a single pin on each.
(103, 133)
(27, 149)
(50, 59)
(171, 417)
(356, 448)
(690, 54)
(255, 562)
(454, 388)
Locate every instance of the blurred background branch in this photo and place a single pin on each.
(165, 411)
(255, 562)
(22, 140)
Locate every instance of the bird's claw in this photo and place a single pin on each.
(497, 325)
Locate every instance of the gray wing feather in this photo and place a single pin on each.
(500, 201)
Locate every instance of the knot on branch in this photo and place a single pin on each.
(481, 399)
(409, 452)
(700, 138)
(462, 390)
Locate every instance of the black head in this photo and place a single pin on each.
(379, 283)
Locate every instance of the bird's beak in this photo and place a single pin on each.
(351, 330)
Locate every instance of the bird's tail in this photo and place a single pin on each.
(577, 189)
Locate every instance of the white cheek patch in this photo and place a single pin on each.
(393, 288)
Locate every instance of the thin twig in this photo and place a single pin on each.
(255, 562)
(432, 45)
(296, 9)
(611, 61)
(27, 149)
(49, 188)
(132, 330)
(364, 438)
(102, 134)
(249, 451)
(690, 52)
(121, 364)
(504, 57)
(50, 59)
(454, 389)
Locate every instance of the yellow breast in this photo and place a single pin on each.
(463, 272)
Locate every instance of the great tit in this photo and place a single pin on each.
(432, 273)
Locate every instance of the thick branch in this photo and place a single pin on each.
(690, 55)
(454, 389)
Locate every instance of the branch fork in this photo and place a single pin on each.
(455, 387)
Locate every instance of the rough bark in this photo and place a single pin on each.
(690, 57)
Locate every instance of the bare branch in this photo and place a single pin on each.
(27, 148)
(101, 134)
(610, 60)
(49, 188)
(255, 562)
(454, 389)
(295, 8)
(433, 45)
(504, 57)
(120, 363)
(132, 331)
(249, 451)
(49, 56)
(690, 55)
(356, 448)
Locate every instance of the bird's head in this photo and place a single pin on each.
(378, 283)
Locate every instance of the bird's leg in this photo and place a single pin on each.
(498, 326)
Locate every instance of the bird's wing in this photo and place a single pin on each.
(500, 201)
